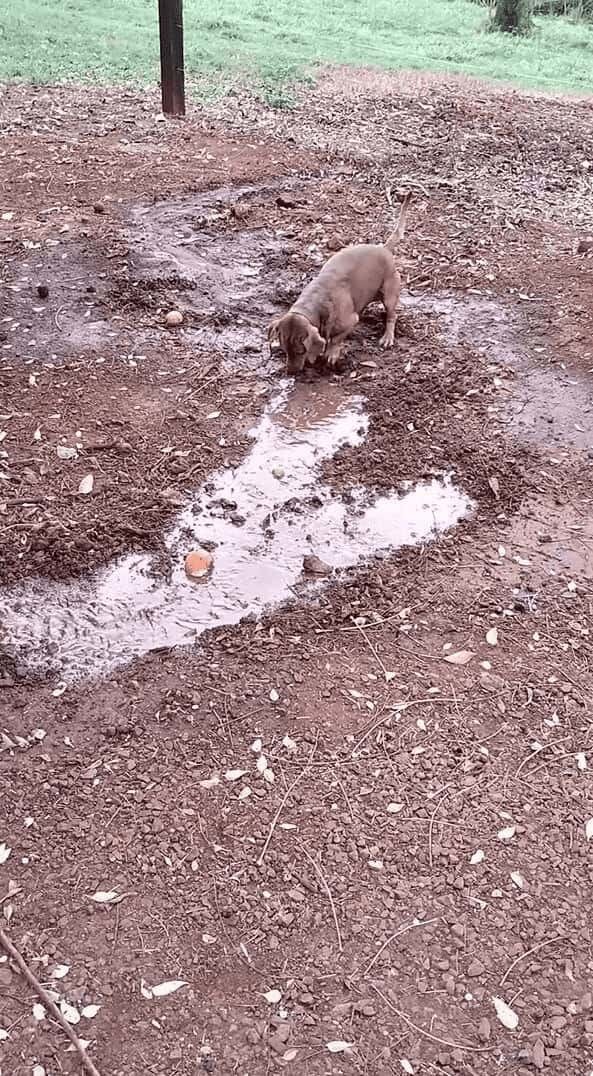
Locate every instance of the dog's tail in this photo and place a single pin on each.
(397, 235)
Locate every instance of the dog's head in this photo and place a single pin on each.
(300, 341)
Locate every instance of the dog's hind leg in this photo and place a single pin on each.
(390, 292)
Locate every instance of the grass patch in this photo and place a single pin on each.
(276, 40)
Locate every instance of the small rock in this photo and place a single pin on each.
(538, 1054)
(584, 246)
(558, 1022)
(366, 1008)
(313, 565)
(484, 1029)
(98, 208)
(475, 968)
(458, 930)
(174, 318)
(277, 1043)
(42, 291)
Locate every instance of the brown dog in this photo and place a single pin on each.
(329, 308)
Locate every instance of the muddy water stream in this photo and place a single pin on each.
(260, 519)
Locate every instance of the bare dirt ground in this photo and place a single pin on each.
(346, 823)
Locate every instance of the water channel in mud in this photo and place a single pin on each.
(260, 519)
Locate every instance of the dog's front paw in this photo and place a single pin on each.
(387, 340)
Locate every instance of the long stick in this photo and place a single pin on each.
(49, 1004)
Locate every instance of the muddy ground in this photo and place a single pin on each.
(351, 810)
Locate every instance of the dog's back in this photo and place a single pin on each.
(360, 269)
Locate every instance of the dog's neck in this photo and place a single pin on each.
(310, 311)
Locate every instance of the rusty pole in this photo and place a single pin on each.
(172, 72)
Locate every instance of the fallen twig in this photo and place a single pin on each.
(284, 801)
(392, 937)
(530, 952)
(428, 1035)
(50, 1005)
(323, 881)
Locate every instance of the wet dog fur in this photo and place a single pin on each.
(329, 308)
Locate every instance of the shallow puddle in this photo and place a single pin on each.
(544, 403)
(260, 520)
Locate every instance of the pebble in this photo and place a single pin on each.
(277, 1043)
(538, 1054)
(475, 968)
(42, 291)
(484, 1029)
(313, 565)
(173, 318)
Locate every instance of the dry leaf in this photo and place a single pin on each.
(290, 1055)
(210, 782)
(494, 486)
(83, 1043)
(38, 1011)
(517, 879)
(460, 657)
(492, 637)
(477, 857)
(589, 829)
(89, 1011)
(161, 990)
(86, 484)
(103, 896)
(3, 1034)
(262, 763)
(395, 808)
(69, 1012)
(257, 746)
(338, 1046)
(506, 1015)
(289, 744)
(405, 1064)
(65, 452)
(506, 834)
(209, 939)
(234, 775)
(60, 971)
(273, 997)
(38, 1070)
(274, 696)
(4, 852)
(581, 759)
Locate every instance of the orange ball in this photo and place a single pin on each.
(198, 563)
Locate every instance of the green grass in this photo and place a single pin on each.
(277, 40)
